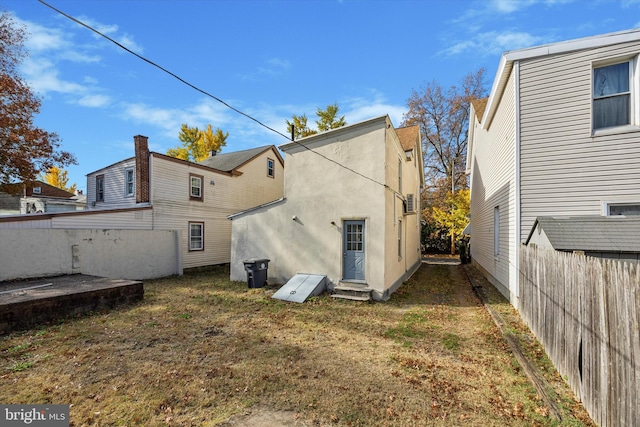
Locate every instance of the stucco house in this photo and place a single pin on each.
(37, 197)
(350, 211)
(559, 136)
(165, 193)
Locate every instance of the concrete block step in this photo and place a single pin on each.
(352, 297)
(356, 293)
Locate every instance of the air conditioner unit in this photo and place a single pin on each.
(410, 206)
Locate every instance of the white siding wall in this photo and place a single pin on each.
(130, 219)
(564, 169)
(493, 185)
(173, 209)
(114, 189)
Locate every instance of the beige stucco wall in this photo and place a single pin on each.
(400, 260)
(304, 232)
(118, 254)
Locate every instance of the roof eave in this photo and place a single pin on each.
(509, 57)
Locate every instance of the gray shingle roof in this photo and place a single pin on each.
(591, 233)
(230, 161)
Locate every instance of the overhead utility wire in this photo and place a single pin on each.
(161, 68)
(207, 93)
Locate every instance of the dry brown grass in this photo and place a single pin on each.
(200, 349)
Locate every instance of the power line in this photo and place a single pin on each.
(208, 94)
(161, 68)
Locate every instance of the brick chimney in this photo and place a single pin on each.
(142, 168)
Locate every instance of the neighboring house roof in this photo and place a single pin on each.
(479, 106)
(228, 162)
(46, 190)
(231, 161)
(591, 233)
(508, 58)
(409, 136)
(255, 208)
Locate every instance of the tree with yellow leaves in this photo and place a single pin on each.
(198, 144)
(455, 217)
(58, 178)
(327, 119)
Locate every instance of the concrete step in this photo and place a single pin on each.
(352, 297)
(352, 291)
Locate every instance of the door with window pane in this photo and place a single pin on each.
(354, 250)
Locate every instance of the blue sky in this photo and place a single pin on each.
(270, 59)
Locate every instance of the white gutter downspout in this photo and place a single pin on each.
(516, 67)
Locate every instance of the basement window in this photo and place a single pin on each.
(623, 209)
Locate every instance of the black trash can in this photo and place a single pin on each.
(256, 272)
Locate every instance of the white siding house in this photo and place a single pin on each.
(193, 198)
(152, 191)
(350, 211)
(558, 136)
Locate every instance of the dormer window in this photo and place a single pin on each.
(100, 188)
(129, 184)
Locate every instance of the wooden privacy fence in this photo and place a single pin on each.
(585, 313)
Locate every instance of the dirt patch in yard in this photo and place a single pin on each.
(200, 350)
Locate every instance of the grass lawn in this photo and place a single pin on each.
(203, 351)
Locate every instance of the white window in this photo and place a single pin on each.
(129, 183)
(271, 170)
(100, 188)
(196, 236)
(195, 192)
(626, 209)
(613, 99)
(37, 190)
(496, 231)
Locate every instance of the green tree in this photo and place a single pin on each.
(198, 144)
(26, 151)
(327, 120)
(59, 178)
(299, 126)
